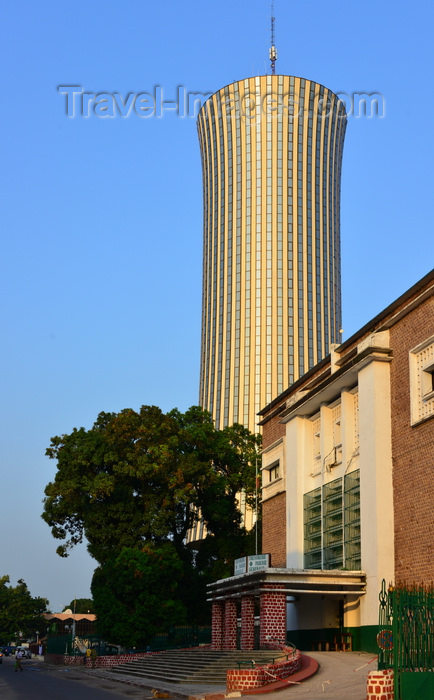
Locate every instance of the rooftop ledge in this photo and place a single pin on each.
(291, 582)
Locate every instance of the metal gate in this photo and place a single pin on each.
(406, 640)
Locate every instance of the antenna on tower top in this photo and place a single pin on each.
(273, 52)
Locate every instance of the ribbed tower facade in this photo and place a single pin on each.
(271, 150)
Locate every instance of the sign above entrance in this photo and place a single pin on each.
(256, 562)
(240, 566)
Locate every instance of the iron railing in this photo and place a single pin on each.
(406, 639)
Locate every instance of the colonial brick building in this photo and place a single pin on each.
(347, 486)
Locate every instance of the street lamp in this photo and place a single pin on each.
(73, 623)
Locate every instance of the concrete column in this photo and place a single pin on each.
(376, 484)
(247, 622)
(230, 625)
(295, 461)
(273, 617)
(217, 626)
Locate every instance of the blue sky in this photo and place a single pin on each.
(101, 218)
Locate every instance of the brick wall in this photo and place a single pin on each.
(412, 454)
(274, 529)
(272, 430)
(100, 661)
(103, 661)
(247, 679)
(58, 659)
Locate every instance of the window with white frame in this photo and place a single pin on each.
(337, 439)
(316, 443)
(427, 379)
(421, 362)
(273, 471)
(356, 421)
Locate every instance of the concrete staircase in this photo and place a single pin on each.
(193, 666)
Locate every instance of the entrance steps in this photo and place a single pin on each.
(193, 665)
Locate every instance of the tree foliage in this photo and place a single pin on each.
(136, 594)
(138, 480)
(20, 614)
(134, 477)
(81, 606)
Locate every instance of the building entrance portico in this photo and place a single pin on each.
(237, 596)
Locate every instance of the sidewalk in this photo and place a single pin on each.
(341, 676)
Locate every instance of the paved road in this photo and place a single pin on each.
(39, 682)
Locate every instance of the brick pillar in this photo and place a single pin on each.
(247, 622)
(380, 685)
(273, 617)
(217, 626)
(230, 625)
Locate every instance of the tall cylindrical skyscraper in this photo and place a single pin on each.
(271, 150)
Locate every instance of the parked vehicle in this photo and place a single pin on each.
(1, 657)
(27, 654)
(103, 649)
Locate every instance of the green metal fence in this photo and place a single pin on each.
(59, 644)
(179, 637)
(176, 637)
(406, 640)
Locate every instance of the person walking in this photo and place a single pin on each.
(18, 657)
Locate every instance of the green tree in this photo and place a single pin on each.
(134, 477)
(141, 479)
(135, 594)
(20, 614)
(81, 606)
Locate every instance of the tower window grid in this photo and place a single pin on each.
(266, 304)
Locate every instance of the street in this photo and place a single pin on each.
(59, 683)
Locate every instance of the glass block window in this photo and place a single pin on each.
(352, 520)
(332, 524)
(312, 530)
(333, 556)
